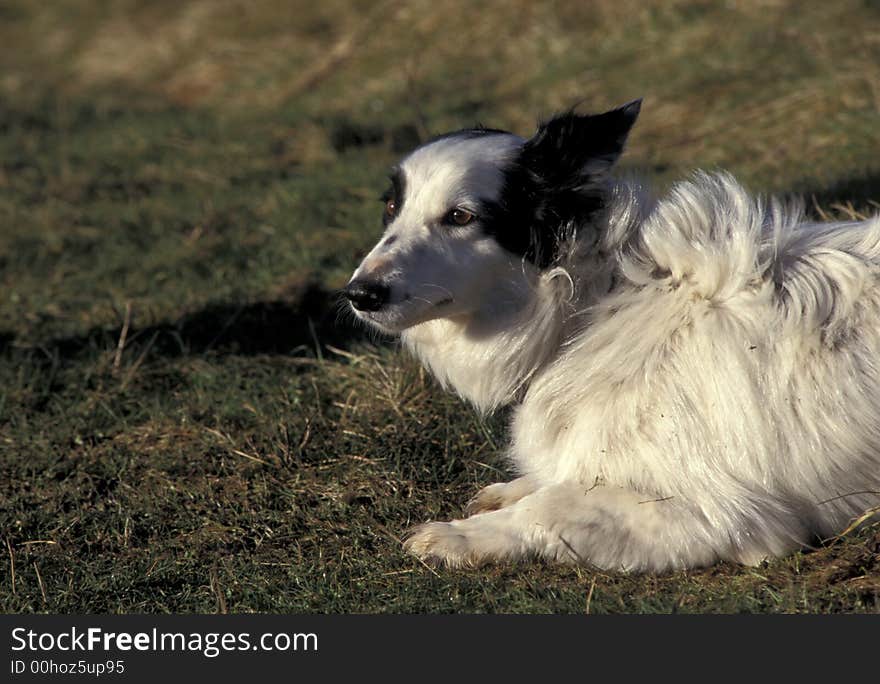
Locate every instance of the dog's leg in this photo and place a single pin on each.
(610, 528)
(501, 494)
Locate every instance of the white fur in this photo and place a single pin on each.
(704, 387)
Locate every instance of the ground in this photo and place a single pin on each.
(188, 421)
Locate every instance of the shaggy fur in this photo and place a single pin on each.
(695, 377)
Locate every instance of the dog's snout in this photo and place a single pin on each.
(366, 295)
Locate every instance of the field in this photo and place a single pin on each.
(188, 420)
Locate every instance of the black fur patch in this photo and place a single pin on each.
(396, 192)
(558, 179)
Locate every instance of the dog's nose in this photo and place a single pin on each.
(366, 296)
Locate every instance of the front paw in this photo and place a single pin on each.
(489, 498)
(440, 544)
(500, 495)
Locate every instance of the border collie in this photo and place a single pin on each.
(696, 377)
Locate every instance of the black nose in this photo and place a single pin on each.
(365, 295)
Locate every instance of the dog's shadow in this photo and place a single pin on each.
(312, 320)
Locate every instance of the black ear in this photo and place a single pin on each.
(557, 183)
(572, 150)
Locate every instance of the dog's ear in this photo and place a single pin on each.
(575, 150)
(558, 181)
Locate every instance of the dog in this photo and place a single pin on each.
(694, 377)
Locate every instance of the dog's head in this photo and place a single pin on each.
(469, 211)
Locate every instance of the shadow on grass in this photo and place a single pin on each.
(862, 192)
(310, 321)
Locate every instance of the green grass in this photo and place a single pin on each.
(187, 424)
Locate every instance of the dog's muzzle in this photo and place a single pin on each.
(367, 296)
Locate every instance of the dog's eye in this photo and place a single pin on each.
(390, 207)
(460, 217)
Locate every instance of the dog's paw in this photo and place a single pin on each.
(489, 498)
(440, 544)
(500, 495)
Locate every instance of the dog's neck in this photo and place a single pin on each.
(491, 356)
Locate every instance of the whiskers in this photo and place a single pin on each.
(422, 299)
(448, 299)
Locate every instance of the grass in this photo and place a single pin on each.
(186, 422)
